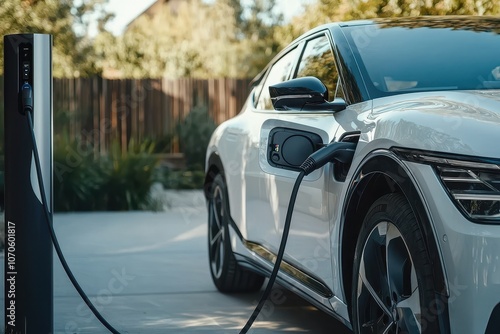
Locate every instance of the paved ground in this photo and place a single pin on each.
(148, 273)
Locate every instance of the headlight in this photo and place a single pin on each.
(473, 183)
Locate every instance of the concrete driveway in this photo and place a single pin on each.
(148, 273)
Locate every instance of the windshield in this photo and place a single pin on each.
(430, 54)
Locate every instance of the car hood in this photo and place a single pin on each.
(464, 122)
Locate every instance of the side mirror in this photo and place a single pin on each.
(304, 94)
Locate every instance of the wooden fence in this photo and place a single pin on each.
(102, 110)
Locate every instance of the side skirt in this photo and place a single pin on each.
(311, 282)
(299, 289)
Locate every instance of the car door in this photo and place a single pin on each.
(268, 190)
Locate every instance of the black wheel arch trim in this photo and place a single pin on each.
(214, 167)
(385, 164)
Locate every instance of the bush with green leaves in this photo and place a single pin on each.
(128, 176)
(194, 135)
(183, 179)
(77, 176)
(116, 181)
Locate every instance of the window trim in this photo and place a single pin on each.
(324, 32)
(304, 43)
(268, 68)
(353, 82)
(300, 45)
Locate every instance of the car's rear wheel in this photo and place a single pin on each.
(227, 274)
(393, 289)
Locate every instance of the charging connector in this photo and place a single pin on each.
(342, 152)
(337, 151)
(26, 98)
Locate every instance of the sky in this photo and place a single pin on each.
(126, 10)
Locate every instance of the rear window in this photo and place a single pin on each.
(427, 55)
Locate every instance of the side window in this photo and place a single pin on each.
(318, 61)
(278, 73)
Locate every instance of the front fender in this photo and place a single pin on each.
(382, 172)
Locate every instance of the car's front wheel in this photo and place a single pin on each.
(227, 274)
(393, 287)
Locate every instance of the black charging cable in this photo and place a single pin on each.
(27, 108)
(337, 151)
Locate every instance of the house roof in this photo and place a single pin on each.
(154, 9)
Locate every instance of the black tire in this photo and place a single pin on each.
(393, 284)
(227, 274)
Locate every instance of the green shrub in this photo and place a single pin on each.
(194, 135)
(183, 179)
(128, 176)
(77, 176)
(161, 144)
(116, 181)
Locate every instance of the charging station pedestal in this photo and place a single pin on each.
(28, 247)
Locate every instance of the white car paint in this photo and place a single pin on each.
(459, 122)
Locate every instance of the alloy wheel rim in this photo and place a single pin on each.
(387, 292)
(216, 232)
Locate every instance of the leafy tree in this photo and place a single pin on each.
(313, 15)
(196, 40)
(66, 20)
(323, 11)
(257, 29)
(199, 39)
(391, 8)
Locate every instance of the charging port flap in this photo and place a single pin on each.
(288, 148)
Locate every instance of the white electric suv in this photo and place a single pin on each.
(405, 236)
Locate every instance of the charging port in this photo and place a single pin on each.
(288, 148)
